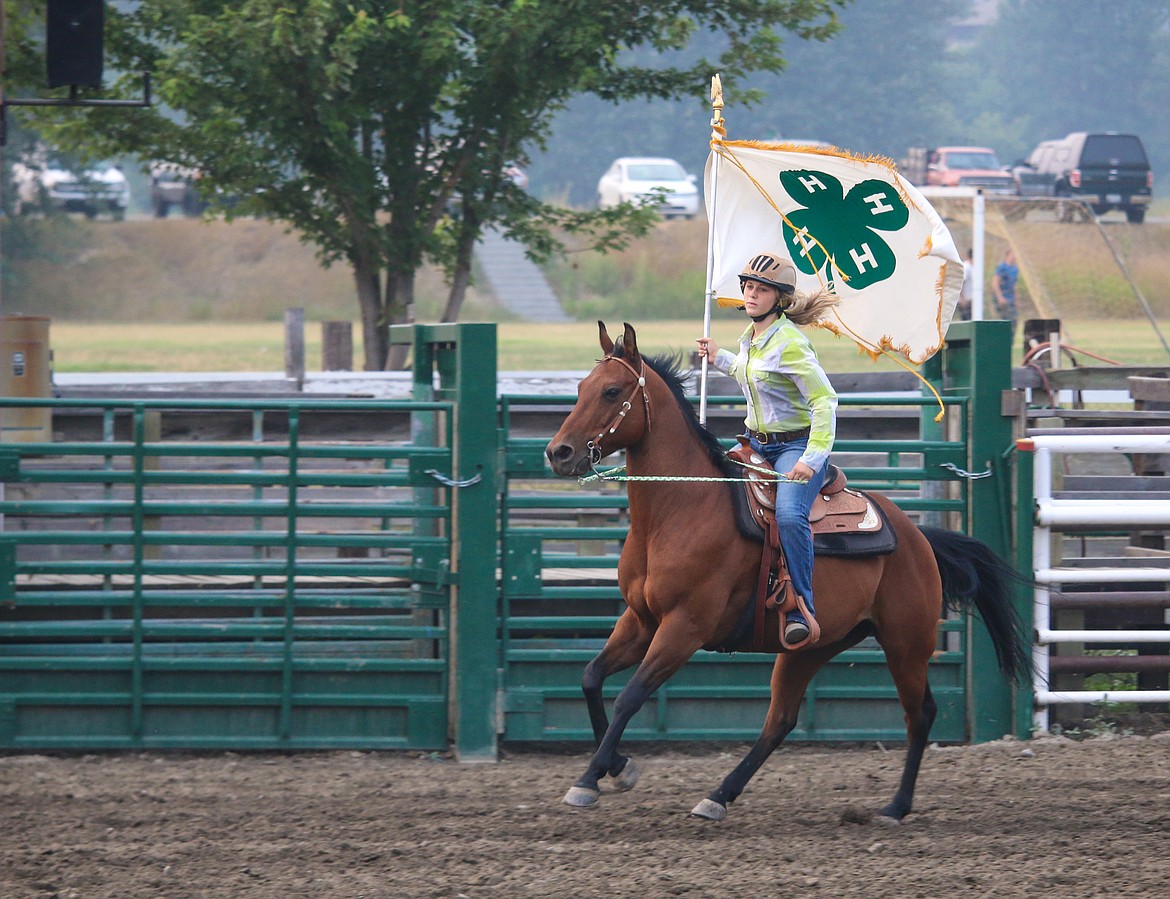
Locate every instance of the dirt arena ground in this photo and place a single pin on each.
(1051, 817)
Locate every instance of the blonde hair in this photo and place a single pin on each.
(806, 308)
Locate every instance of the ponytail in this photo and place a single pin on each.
(807, 308)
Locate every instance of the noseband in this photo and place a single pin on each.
(595, 454)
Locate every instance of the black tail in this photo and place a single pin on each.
(974, 577)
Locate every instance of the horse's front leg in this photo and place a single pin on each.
(790, 678)
(668, 651)
(625, 647)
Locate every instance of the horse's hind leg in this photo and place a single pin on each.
(920, 710)
(790, 678)
(626, 646)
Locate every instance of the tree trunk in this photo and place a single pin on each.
(367, 280)
(461, 275)
(399, 310)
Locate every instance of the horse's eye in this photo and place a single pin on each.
(612, 393)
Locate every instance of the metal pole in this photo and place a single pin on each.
(1137, 293)
(977, 226)
(3, 141)
(717, 134)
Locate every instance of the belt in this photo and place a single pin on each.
(764, 437)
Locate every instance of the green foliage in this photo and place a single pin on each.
(365, 124)
(1098, 726)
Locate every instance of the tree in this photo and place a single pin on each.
(362, 123)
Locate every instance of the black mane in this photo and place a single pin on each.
(669, 367)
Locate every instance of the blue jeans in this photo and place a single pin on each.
(793, 502)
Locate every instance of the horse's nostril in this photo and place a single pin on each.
(560, 451)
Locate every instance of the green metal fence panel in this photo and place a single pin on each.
(560, 543)
(464, 359)
(977, 364)
(286, 584)
(267, 592)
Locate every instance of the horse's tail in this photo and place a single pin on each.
(974, 577)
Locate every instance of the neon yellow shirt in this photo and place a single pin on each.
(785, 386)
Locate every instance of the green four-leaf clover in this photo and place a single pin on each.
(833, 224)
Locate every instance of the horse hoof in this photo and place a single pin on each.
(710, 810)
(628, 777)
(581, 797)
(887, 820)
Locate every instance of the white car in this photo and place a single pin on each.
(99, 190)
(633, 178)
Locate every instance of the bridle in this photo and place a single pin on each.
(594, 445)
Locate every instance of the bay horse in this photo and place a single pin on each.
(687, 574)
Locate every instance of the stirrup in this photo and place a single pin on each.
(811, 627)
(796, 632)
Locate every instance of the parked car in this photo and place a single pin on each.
(957, 167)
(175, 185)
(634, 178)
(1030, 182)
(1107, 169)
(45, 187)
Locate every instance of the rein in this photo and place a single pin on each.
(611, 475)
(594, 445)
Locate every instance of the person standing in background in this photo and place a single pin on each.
(1007, 273)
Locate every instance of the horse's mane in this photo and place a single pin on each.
(669, 367)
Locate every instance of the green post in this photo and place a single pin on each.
(464, 355)
(978, 363)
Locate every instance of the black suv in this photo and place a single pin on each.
(1107, 169)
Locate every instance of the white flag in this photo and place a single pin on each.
(847, 222)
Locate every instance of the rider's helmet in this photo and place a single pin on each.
(770, 269)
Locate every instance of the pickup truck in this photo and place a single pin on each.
(957, 167)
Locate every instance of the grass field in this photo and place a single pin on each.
(186, 295)
(258, 346)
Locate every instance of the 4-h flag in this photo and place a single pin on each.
(846, 222)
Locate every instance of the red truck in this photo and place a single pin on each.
(957, 167)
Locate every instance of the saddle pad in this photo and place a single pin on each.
(873, 541)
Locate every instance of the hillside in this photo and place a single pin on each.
(185, 270)
(175, 270)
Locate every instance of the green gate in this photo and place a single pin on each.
(561, 541)
(251, 574)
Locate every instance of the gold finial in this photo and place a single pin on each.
(718, 132)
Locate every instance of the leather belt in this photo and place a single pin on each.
(765, 437)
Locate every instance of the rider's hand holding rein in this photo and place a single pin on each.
(800, 472)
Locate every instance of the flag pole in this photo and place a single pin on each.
(718, 132)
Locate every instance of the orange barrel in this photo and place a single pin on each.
(25, 371)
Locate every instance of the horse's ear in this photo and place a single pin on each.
(603, 336)
(630, 344)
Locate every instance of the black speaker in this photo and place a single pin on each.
(73, 42)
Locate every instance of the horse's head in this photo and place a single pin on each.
(612, 410)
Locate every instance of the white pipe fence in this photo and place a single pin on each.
(1054, 514)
